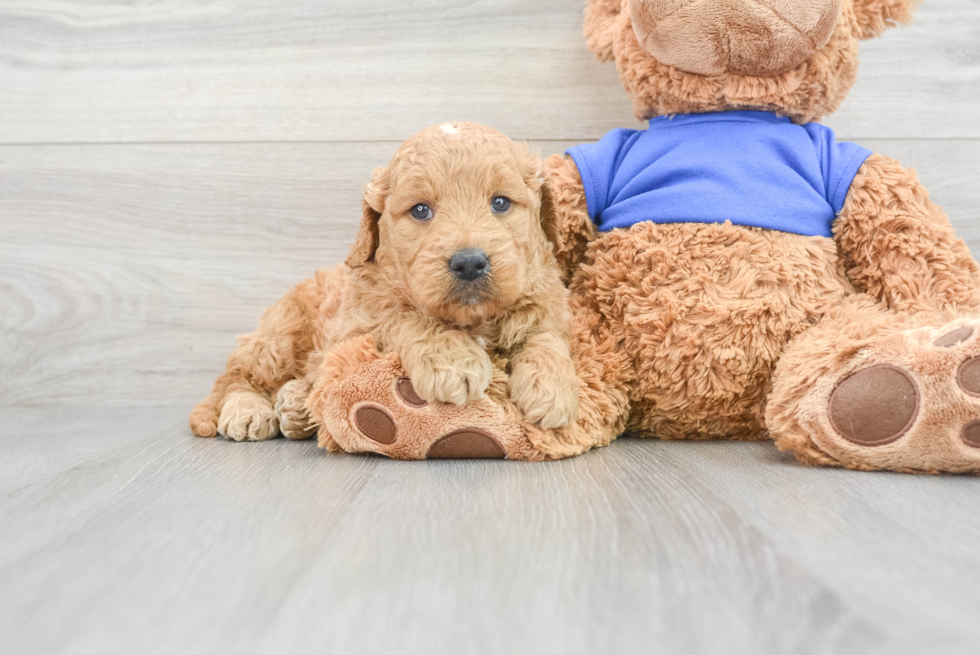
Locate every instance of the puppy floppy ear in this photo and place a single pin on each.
(549, 213)
(535, 175)
(875, 16)
(600, 15)
(372, 205)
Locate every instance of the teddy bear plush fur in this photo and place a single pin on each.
(859, 349)
(745, 333)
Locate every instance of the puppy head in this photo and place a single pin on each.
(457, 223)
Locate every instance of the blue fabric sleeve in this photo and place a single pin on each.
(597, 163)
(839, 163)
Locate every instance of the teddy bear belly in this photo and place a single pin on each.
(704, 311)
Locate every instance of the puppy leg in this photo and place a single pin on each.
(444, 365)
(543, 383)
(260, 363)
(451, 369)
(248, 416)
(204, 417)
(294, 419)
(269, 357)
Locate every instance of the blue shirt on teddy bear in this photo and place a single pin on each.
(752, 168)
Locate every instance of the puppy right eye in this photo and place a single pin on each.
(421, 212)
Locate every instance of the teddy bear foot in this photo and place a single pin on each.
(375, 409)
(911, 404)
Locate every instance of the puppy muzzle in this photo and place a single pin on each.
(469, 265)
(471, 281)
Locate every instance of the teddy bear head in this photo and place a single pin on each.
(795, 57)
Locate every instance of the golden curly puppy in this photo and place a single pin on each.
(452, 266)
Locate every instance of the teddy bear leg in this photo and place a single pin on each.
(364, 402)
(872, 389)
(375, 409)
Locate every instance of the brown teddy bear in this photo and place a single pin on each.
(734, 271)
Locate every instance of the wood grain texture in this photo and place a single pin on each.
(306, 70)
(38, 444)
(127, 270)
(167, 543)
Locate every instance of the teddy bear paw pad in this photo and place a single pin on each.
(466, 443)
(954, 338)
(875, 406)
(376, 424)
(971, 434)
(969, 376)
(407, 393)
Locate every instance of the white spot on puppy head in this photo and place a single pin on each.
(449, 128)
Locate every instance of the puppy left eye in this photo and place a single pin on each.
(499, 205)
(421, 212)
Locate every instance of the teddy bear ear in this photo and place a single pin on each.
(599, 18)
(875, 16)
(373, 204)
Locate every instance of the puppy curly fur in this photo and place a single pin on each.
(397, 286)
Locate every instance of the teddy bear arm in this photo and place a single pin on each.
(899, 247)
(569, 228)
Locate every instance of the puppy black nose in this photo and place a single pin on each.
(469, 265)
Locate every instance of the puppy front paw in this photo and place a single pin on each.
(452, 369)
(294, 418)
(546, 395)
(543, 382)
(248, 416)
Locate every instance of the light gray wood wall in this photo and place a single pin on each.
(168, 169)
(342, 70)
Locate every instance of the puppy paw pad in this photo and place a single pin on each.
(969, 376)
(954, 338)
(376, 424)
(468, 443)
(875, 406)
(407, 393)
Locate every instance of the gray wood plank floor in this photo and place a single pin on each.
(152, 541)
(170, 168)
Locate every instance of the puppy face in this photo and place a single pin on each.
(454, 223)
